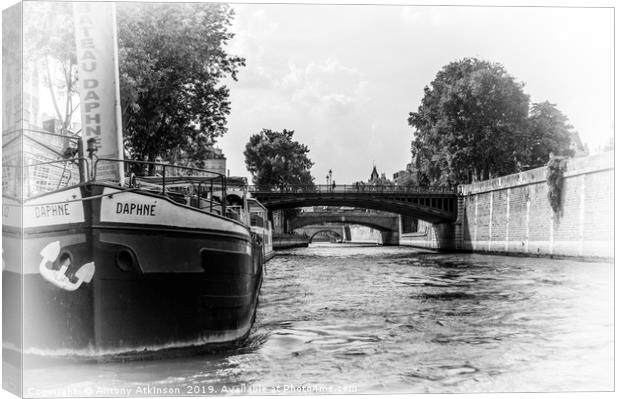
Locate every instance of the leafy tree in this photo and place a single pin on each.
(49, 44)
(471, 123)
(275, 160)
(548, 132)
(172, 59)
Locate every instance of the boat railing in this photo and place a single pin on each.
(29, 178)
(206, 204)
(256, 220)
(234, 212)
(199, 188)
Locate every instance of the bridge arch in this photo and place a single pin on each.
(312, 230)
(381, 225)
(327, 230)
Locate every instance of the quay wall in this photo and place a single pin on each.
(438, 236)
(285, 241)
(512, 214)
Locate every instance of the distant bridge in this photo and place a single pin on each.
(387, 224)
(377, 221)
(337, 230)
(433, 204)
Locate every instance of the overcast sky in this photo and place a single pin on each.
(345, 77)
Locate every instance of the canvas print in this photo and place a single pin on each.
(205, 198)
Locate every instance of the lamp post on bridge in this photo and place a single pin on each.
(330, 180)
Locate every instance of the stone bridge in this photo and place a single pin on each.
(338, 230)
(433, 204)
(388, 224)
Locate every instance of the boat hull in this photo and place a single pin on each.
(159, 285)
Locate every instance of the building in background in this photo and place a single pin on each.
(378, 180)
(407, 177)
(215, 161)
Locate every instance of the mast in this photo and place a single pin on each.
(96, 42)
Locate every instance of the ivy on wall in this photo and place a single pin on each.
(555, 178)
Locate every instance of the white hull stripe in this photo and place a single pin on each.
(134, 208)
(48, 210)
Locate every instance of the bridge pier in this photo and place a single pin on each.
(278, 221)
(347, 233)
(390, 238)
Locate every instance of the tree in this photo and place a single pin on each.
(548, 132)
(49, 45)
(275, 160)
(471, 123)
(172, 59)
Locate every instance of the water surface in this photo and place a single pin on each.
(338, 318)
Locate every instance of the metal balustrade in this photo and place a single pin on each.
(184, 184)
(354, 188)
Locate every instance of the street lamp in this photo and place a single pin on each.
(330, 176)
(327, 180)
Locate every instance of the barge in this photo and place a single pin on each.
(159, 263)
(109, 257)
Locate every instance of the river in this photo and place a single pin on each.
(340, 318)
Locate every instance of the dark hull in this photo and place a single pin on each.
(156, 287)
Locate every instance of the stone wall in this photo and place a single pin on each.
(512, 214)
(431, 236)
(284, 241)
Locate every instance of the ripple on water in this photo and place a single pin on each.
(394, 320)
(445, 296)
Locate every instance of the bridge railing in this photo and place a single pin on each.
(342, 212)
(354, 188)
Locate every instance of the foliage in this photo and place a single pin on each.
(473, 124)
(548, 132)
(470, 123)
(172, 59)
(275, 160)
(410, 180)
(555, 179)
(49, 43)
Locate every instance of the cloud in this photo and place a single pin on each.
(252, 30)
(335, 88)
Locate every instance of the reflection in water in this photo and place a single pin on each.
(366, 319)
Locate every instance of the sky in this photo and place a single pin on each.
(346, 77)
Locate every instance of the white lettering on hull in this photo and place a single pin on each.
(130, 207)
(62, 207)
(52, 210)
